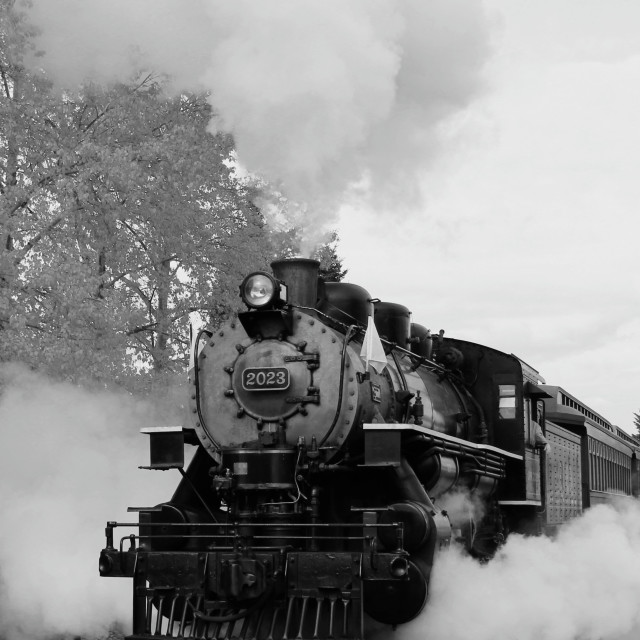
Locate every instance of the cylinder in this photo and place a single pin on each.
(265, 469)
(437, 471)
(163, 518)
(416, 521)
(300, 275)
(346, 303)
(393, 322)
(396, 601)
(421, 341)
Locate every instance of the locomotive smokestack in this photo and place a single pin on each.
(301, 277)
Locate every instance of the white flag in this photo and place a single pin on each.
(372, 349)
(196, 324)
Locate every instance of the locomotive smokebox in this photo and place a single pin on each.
(300, 275)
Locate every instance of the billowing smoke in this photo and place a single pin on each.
(581, 585)
(68, 463)
(333, 101)
(462, 504)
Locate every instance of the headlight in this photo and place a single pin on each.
(259, 290)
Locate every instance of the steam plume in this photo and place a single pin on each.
(582, 585)
(68, 463)
(329, 99)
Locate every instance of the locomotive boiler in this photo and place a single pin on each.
(329, 433)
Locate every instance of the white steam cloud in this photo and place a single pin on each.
(68, 463)
(582, 585)
(329, 99)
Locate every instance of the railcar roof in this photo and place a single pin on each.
(567, 408)
(562, 401)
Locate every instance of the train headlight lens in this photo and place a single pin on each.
(259, 290)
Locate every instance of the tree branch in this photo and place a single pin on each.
(5, 82)
(37, 238)
(135, 234)
(141, 329)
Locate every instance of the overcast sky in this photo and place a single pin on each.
(528, 241)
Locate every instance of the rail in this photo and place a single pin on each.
(234, 530)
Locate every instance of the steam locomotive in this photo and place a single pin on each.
(338, 447)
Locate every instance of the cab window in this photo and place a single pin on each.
(506, 401)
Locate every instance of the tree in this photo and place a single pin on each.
(119, 214)
(636, 422)
(187, 228)
(330, 263)
(286, 243)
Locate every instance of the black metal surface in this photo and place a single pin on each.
(393, 322)
(421, 341)
(318, 596)
(300, 275)
(346, 303)
(261, 468)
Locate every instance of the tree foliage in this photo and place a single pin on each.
(636, 423)
(119, 214)
(330, 263)
(286, 243)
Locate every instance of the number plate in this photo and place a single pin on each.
(265, 379)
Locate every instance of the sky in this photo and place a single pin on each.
(527, 241)
(477, 159)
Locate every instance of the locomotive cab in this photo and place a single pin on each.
(512, 396)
